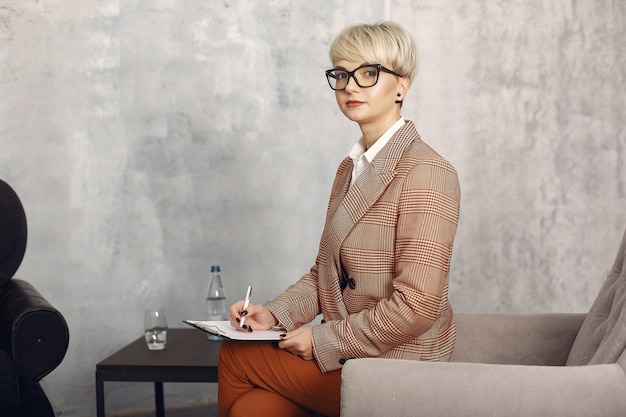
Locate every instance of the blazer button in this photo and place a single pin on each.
(342, 361)
(351, 283)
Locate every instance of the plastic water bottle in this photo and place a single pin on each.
(216, 300)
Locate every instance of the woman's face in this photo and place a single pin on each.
(371, 105)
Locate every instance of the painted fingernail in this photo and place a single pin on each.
(250, 329)
(245, 312)
(283, 335)
(245, 326)
(237, 318)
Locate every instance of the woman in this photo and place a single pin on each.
(381, 275)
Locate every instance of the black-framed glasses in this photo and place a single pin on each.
(364, 76)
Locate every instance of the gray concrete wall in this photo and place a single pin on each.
(151, 139)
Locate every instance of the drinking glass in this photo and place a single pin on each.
(155, 329)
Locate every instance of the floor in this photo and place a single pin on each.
(205, 410)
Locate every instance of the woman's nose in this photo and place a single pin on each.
(351, 85)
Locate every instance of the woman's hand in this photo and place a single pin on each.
(298, 342)
(258, 317)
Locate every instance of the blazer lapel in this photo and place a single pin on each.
(370, 185)
(340, 186)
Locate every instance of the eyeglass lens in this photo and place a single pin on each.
(365, 76)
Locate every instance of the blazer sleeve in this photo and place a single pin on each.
(428, 212)
(299, 303)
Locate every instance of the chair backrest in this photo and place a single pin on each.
(602, 336)
(13, 232)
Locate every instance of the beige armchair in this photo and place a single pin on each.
(508, 365)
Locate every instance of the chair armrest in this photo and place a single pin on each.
(515, 338)
(32, 332)
(393, 387)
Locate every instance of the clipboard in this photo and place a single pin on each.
(225, 330)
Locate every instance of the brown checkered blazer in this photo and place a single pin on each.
(381, 275)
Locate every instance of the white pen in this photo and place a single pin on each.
(246, 302)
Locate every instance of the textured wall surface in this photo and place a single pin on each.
(151, 139)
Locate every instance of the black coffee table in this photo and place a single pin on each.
(189, 357)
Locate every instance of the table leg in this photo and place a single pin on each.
(99, 395)
(158, 399)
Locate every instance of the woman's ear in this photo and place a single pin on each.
(403, 87)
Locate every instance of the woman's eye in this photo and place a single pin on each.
(341, 75)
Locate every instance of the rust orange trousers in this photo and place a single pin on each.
(259, 379)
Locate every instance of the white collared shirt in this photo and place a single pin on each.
(361, 157)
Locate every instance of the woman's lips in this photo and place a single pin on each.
(354, 103)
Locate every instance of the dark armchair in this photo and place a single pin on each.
(33, 335)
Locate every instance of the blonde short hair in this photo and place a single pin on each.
(385, 43)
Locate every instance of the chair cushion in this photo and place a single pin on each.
(13, 232)
(602, 336)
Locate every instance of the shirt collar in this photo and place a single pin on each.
(358, 150)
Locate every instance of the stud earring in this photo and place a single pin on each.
(399, 94)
